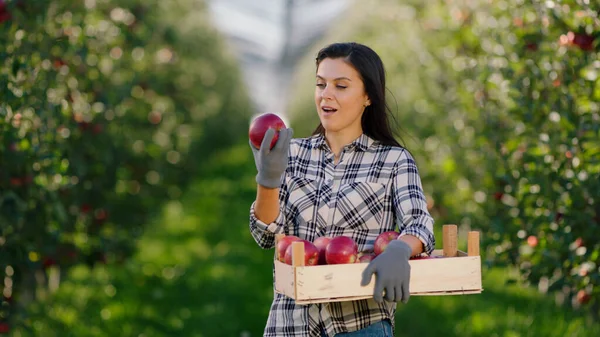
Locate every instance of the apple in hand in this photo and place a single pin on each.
(283, 244)
(382, 241)
(321, 244)
(311, 254)
(261, 124)
(341, 250)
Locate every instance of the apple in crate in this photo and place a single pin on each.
(261, 124)
(341, 250)
(321, 244)
(382, 241)
(311, 254)
(365, 257)
(425, 257)
(282, 246)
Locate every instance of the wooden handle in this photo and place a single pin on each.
(450, 240)
(297, 254)
(473, 243)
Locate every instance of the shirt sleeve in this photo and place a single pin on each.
(410, 203)
(264, 234)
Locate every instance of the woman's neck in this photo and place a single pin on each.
(337, 140)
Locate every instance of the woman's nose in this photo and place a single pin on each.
(327, 93)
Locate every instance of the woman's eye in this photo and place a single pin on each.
(320, 85)
(341, 87)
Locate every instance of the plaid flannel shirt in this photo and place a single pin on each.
(374, 188)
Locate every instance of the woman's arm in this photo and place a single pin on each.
(414, 242)
(414, 221)
(273, 165)
(266, 208)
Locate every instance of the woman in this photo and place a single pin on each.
(349, 178)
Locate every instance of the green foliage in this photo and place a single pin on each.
(498, 102)
(106, 110)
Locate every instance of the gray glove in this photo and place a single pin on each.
(271, 164)
(393, 273)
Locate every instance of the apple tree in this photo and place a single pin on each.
(106, 110)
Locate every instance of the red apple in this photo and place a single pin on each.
(341, 250)
(321, 244)
(283, 244)
(4, 13)
(366, 257)
(4, 327)
(382, 241)
(584, 41)
(261, 124)
(583, 297)
(532, 241)
(48, 262)
(425, 257)
(311, 254)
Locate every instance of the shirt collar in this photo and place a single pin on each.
(362, 143)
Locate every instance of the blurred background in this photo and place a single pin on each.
(126, 176)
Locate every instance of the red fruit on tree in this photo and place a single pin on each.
(311, 254)
(58, 63)
(85, 208)
(584, 41)
(15, 181)
(48, 262)
(532, 241)
(4, 13)
(4, 327)
(558, 216)
(341, 250)
(583, 297)
(101, 215)
(282, 246)
(261, 124)
(382, 241)
(97, 129)
(154, 117)
(321, 244)
(532, 46)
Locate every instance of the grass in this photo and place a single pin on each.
(198, 273)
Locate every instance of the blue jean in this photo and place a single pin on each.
(379, 329)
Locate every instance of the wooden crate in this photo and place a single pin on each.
(457, 273)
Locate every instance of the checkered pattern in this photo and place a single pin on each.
(374, 188)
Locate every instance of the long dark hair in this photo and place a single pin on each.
(375, 119)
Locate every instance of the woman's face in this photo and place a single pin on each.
(340, 96)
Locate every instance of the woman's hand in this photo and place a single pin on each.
(393, 273)
(271, 163)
